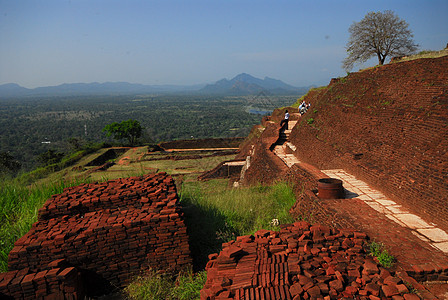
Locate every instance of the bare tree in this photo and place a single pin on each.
(380, 33)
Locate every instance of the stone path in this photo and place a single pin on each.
(429, 233)
(281, 150)
(288, 159)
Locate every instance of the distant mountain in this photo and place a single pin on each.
(13, 90)
(95, 88)
(245, 84)
(242, 84)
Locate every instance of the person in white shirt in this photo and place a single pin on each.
(285, 120)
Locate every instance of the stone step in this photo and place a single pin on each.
(288, 159)
(291, 146)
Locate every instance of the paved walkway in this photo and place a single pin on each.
(288, 159)
(281, 150)
(429, 233)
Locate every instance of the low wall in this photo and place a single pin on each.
(203, 143)
(225, 169)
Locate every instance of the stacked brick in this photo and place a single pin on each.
(155, 191)
(114, 229)
(302, 261)
(55, 283)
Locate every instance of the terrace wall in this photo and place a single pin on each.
(389, 127)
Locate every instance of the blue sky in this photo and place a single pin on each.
(50, 42)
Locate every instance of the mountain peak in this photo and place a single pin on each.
(243, 77)
(246, 84)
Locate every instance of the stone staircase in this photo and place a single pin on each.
(283, 146)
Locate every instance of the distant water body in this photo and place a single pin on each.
(260, 112)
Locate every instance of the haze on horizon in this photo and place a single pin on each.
(50, 42)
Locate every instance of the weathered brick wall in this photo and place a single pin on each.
(113, 229)
(308, 206)
(265, 166)
(203, 143)
(389, 127)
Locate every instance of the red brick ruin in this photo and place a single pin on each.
(387, 125)
(304, 262)
(97, 236)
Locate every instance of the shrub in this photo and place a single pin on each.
(378, 250)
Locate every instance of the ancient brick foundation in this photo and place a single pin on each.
(388, 127)
(302, 261)
(224, 170)
(203, 143)
(110, 231)
(265, 166)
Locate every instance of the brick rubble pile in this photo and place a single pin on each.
(302, 261)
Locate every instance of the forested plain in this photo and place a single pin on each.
(31, 126)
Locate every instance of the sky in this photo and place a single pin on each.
(183, 42)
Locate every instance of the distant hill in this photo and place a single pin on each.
(95, 88)
(13, 90)
(245, 84)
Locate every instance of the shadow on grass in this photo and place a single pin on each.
(207, 230)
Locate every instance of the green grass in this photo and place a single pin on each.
(18, 211)
(155, 285)
(425, 54)
(67, 161)
(215, 213)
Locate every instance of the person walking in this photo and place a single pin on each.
(285, 120)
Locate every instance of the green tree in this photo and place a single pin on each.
(50, 157)
(380, 34)
(8, 164)
(130, 130)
